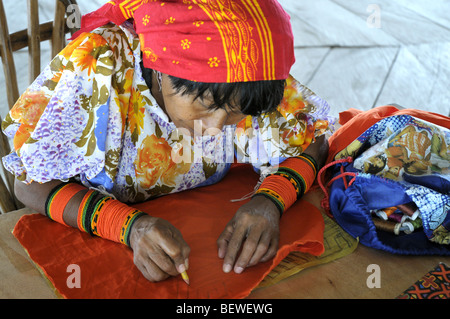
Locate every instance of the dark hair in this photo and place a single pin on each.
(372, 169)
(253, 98)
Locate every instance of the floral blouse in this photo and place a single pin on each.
(90, 116)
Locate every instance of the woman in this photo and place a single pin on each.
(139, 104)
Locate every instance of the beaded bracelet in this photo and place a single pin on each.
(113, 219)
(97, 215)
(291, 181)
(107, 217)
(88, 201)
(311, 161)
(58, 199)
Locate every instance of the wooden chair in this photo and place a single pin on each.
(55, 31)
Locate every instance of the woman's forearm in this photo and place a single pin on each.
(146, 236)
(319, 150)
(35, 195)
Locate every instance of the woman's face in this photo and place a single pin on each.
(194, 114)
(377, 161)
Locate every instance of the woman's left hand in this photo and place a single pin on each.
(255, 228)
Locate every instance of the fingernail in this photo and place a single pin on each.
(238, 270)
(181, 268)
(186, 263)
(227, 268)
(221, 253)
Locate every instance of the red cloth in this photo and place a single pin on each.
(107, 269)
(208, 40)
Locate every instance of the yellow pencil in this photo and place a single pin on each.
(185, 277)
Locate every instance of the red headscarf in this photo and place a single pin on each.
(207, 40)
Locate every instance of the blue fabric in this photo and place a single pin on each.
(352, 206)
(351, 209)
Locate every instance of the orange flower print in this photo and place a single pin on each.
(136, 111)
(22, 135)
(154, 163)
(298, 138)
(85, 55)
(57, 76)
(321, 126)
(198, 23)
(27, 111)
(170, 20)
(292, 102)
(68, 50)
(145, 19)
(293, 138)
(123, 98)
(243, 126)
(29, 107)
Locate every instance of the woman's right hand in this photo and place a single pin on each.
(159, 248)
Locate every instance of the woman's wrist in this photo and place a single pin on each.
(268, 203)
(291, 181)
(139, 228)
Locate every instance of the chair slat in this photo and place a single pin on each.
(34, 41)
(6, 201)
(19, 39)
(31, 37)
(7, 181)
(58, 38)
(8, 59)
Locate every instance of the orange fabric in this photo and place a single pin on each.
(355, 122)
(107, 269)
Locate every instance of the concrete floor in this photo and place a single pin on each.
(353, 53)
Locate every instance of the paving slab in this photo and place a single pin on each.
(420, 78)
(401, 22)
(352, 78)
(325, 23)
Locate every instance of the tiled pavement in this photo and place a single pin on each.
(353, 53)
(349, 59)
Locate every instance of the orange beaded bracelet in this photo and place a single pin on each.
(113, 219)
(58, 199)
(98, 215)
(293, 179)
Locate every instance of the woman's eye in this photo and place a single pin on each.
(206, 104)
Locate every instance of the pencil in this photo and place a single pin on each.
(185, 277)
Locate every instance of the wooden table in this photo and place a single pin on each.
(344, 278)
